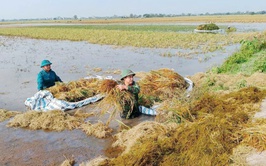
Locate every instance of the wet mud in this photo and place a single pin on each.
(20, 64)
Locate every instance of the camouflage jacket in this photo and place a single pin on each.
(128, 112)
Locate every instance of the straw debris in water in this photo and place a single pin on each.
(51, 120)
(98, 130)
(5, 114)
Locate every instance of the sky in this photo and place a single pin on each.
(27, 9)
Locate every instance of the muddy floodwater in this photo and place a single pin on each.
(21, 58)
(20, 63)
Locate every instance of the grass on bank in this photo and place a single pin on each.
(251, 57)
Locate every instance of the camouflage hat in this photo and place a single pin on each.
(126, 73)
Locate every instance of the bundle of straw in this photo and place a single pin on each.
(114, 101)
(107, 85)
(159, 85)
(75, 90)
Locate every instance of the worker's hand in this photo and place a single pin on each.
(121, 87)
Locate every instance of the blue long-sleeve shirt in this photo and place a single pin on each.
(47, 79)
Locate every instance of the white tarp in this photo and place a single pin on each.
(44, 101)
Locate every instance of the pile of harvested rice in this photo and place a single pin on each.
(158, 85)
(147, 130)
(98, 130)
(107, 85)
(114, 101)
(217, 127)
(5, 114)
(52, 120)
(75, 90)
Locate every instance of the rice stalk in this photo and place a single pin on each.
(114, 101)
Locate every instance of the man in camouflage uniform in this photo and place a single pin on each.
(131, 86)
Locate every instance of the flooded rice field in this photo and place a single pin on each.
(20, 63)
(21, 58)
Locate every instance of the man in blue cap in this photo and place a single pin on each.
(47, 77)
(131, 86)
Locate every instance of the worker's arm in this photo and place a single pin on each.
(40, 81)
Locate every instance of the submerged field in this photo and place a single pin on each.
(135, 36)
(214, 126)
